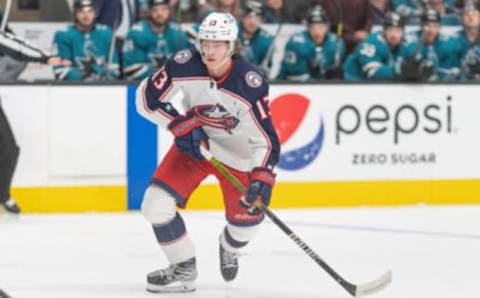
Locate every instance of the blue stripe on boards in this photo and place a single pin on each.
(141, 152)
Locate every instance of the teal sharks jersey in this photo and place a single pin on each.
(255, 49)
(373, 60)
(469, 56)
(89, 53)
(306, 61)
(145, 51)
(442, 55)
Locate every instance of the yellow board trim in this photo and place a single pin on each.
(361, 193)
(71, 199)
(285, 195)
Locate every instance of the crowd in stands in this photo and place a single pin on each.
(342, 39)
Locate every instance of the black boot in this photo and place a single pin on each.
(10, 206)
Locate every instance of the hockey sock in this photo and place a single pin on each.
(233, 238)
(174, 240)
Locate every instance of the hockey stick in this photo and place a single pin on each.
(354, 290)
(6, 15)
(340, 24)
(271, 49)
(111, 51)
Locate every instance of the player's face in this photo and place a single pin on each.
(227, 2)
(275, 4)
(318, 32)
(214, 52)
(471, 19)
(251, 23)
(393, 35)
(438, 5)
(85, 16)
(160, 14)
(431, 30)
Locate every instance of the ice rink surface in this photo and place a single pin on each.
(434, 252)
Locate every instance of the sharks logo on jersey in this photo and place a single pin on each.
(87, 62)
(89, 53)
(161, 53)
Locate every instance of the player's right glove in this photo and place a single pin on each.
(410, 70)
(260, 188)
(189, 134)
(426, 70)
(474, 68)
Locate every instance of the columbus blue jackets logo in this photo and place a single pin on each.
(216, 116)
(182, 57)
(253, 79)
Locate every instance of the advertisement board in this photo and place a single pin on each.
(355, 132)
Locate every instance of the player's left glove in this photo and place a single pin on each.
(189, 135)
(474, 68)
(260, 188)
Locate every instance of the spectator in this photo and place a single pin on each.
(469, 41)
(379, 10)
(109, 13)
(450, 15)
(278, 12)
(226, 6)
(355, 17)
(410, 10)
(119, 15)
(431, 55)
(151, 42)
(311, 54)
(379, 56)
(184, 11)
(255, 43)
(413, 10)
(87, 46)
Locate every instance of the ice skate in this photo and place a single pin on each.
(228, 264)
(175, 278)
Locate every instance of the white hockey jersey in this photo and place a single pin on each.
(234, 108)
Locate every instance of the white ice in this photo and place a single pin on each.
(432, 251)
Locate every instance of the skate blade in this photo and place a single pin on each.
(181, 287)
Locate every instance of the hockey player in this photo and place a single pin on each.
(254, 41)
(151, 42)
(226, 108)
(310, 54)
(469, 41)
(87, 46)
(378, 57)
(430, 55)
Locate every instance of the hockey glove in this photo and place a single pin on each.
(409, 70)
(426, 70)
(260, 188)
(474, 68)
(189, 135)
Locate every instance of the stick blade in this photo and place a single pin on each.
(374, 286)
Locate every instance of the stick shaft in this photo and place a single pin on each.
(295, 238)
(6, 15)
